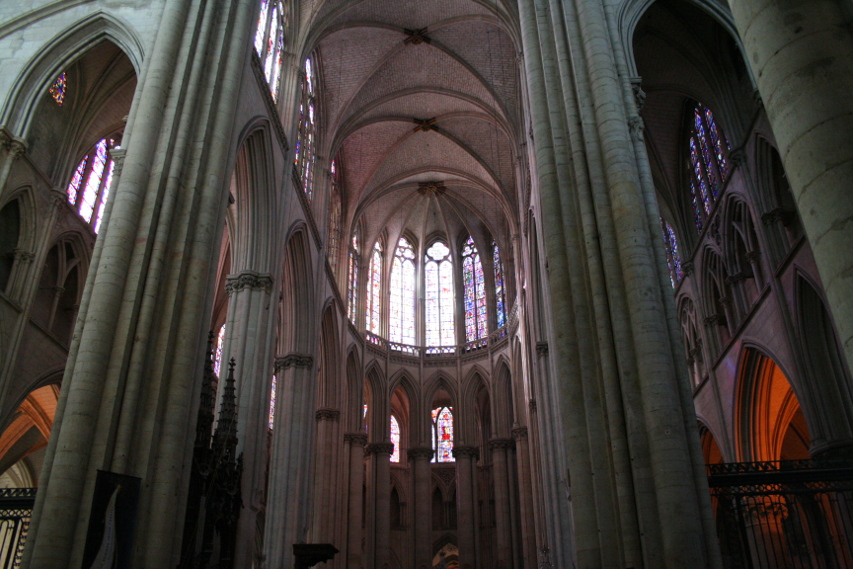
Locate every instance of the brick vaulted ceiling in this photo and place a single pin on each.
(384, 65)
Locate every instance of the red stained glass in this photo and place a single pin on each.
(440, 326)
(395, 438)
(58, 89)
(442, 434)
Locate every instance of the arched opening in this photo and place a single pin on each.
(23, 442)
(10, 228)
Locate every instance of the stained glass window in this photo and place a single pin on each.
(89, 187)
(334, 219)
(352, 279)
(438, 268)
(474, 292)
(272, 402)
(305, 143)
(374, 290)
(395, 438)
(58, 89)
(709, 170)
(401, 324)
(673, 257)
(269, 42)
(500, 294)
(217, 355)
(442, 434)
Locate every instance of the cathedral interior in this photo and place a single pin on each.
(453, 284)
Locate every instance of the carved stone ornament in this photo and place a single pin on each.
(465, 451)
(17, 147)
(519, 433)
(532, 405)
(687, 268)
(542, 348)
(58, 198)
(737, 157)
(379, 448)
(501, 444)
(355, 439)
(24, 256)
(431, 188)
(303, 361)
(639, 94)
(250, 280)
(327, 414)
(420, 452)
(712, 320)
(416, 37)
(446, 475)
(636, 126)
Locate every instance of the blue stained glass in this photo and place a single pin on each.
(697, 169)
(706, 152)
(76, 180)
(93, 183)
(673, 257)
(697, 209)
(442, 434)
(474, 292)
(58, 88)
(500, 296)
(395, 438)
(716, 135)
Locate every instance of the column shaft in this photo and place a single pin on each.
(465, 457)
(420, 458)
(355, 532)
(502, 508)
(525, 491)
(382, 528)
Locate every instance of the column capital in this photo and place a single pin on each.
(532, 405)
(420, 453)
(379, 448)
(248, 279)
(304, 361)
(17, 146)
(24, 256)
(501, 444)
(460, 451)
(519, 433)
(542, 348)
(327, 414)
(356, 439)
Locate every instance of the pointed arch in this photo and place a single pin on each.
(297, 316)
(63, 49)
(328, 381)
(353, 412)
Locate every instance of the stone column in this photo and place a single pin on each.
(250, 342)
(382, 528)
(324, 480)
(288, 517)
(420, 457)
(801, 54)
(355, 533)
(525, 494)
(503, 526)
(466, 457)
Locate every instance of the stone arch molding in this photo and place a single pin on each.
(61, 51)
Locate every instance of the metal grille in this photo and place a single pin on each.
(16, 508)
(784, 515)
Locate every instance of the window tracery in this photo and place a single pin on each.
(305, 143)
(58, 89)
(402, 314)
(352, 279)
(269, 42)
(708, 150)
(89, 188)
(673, 256)
(374, 291)
(438, 269)
(442, 434)
(500, 294)
(474, 292)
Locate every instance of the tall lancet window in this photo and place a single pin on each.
(395, 438)
(352, 279)
(374, 290)
(90, 185)
(269, 42)
(442, 434)
(307, 129)
(402, 319)
(500, 293)
(334, 238)
(707, 148)
(438, 269)
(217, 354)
(474, 292)
(673, 257)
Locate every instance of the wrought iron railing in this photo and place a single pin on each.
(786, 514)
(16, 508)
